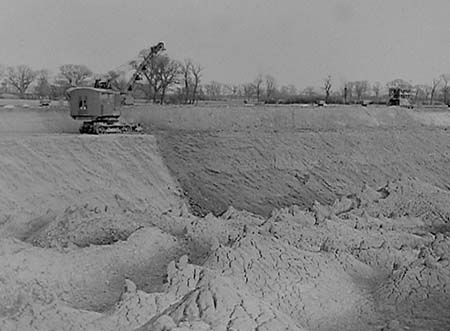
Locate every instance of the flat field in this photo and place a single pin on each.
(226, 218)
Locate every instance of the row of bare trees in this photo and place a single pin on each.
(437, 89)
(20, 78)
(355, 91)
(183, 79)
(160, 75)
(264, 88)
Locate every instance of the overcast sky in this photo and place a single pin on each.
(298, 42)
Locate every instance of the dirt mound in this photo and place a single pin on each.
(412, 197)
(314, 270)
(84, 226)
(417, 293)
(88, 278)
(209, 300)
(311, 287)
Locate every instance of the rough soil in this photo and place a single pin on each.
(262, 170)
(340, 226)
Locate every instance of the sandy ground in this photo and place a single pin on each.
(334, 219)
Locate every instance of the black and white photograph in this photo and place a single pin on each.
(224, 165)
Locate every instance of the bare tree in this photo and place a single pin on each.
(418, 91)
(74, 74)
(292, 90)
(287, 92)
(445, 87)
(21, 77)
(346, 92)
(213, 90)
(186, 70)
(3, 82)
(235, 90)
(422, 92)
(309, 91)
(168, 70)
(58, 87)
(283, 91)
(350, 90)
(270, 87)
(43, 88)
(249, 90)
(434, 85)
(376, 88)
(258, 87)
(196, 71)
(360, 88)
(227, 90)
(327, 85)
(2, 71)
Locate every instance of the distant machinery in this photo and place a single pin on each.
(400, 96)
(99, 106)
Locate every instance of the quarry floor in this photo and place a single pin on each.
(226, 218)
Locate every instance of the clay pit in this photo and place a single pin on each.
(226, 218)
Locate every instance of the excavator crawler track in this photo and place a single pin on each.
(104, 127)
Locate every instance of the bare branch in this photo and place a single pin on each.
(21, 77)
(74, 74)
(327, 84)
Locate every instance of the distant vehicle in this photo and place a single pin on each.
(365, 103)
(44, 102)
(99, 106)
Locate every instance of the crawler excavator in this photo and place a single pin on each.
(99, 106)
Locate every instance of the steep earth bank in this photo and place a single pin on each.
(261, 170)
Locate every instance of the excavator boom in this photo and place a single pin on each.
(154, 50)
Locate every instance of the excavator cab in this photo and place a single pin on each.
(91, 103)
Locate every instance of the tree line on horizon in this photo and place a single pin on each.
(166, 80)
(160, 78)
(264, 89)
